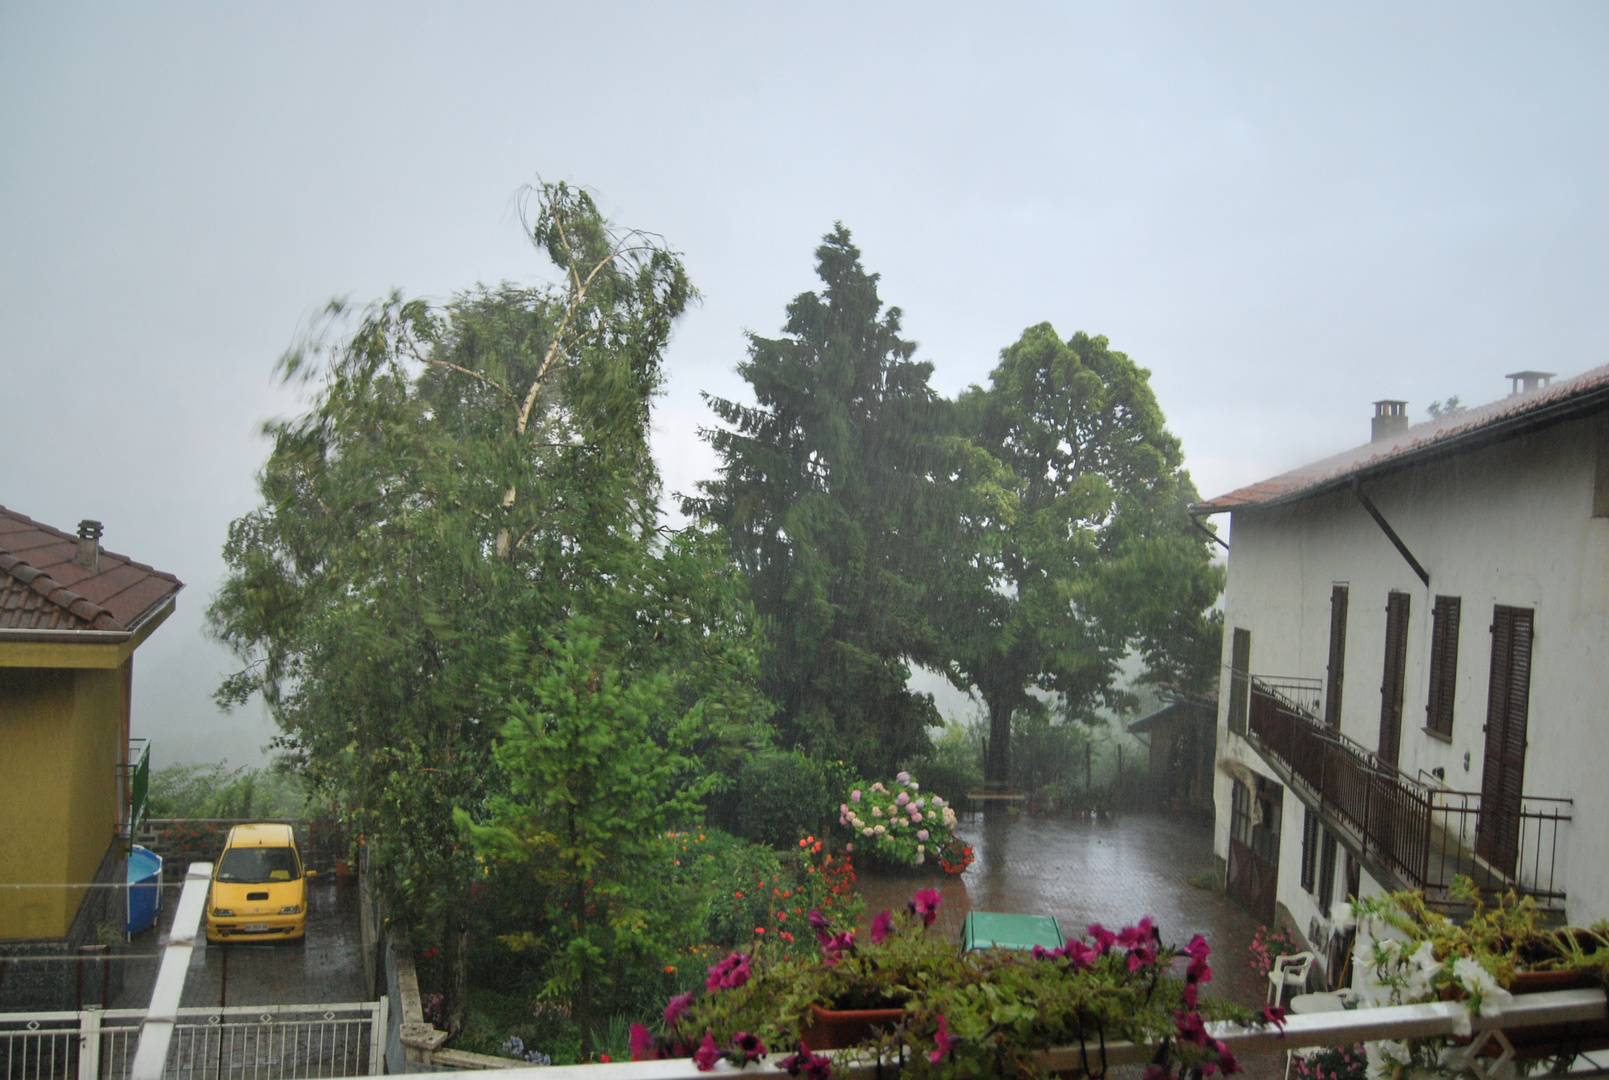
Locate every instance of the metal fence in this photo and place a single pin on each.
(277, 1042)
(1423, 834)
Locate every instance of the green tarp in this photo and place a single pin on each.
(999, 930)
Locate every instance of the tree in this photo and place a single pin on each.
(829, 492)
(461, 472)
(1090, 553)
(599, 765)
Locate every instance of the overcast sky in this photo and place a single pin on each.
(1284, 211)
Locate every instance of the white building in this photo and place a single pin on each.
(1415, 645)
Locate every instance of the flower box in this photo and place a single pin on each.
(836, 1029)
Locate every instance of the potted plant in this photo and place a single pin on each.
(907, 995)
(1417, 954)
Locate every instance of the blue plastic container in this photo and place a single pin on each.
(144, 889)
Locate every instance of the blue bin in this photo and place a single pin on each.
(144, 889)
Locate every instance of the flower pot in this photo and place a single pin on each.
(1551, 1040)
(835, 1029)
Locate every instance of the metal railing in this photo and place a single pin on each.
(1423, 835)
(135, 777)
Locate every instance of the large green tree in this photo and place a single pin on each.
(830, 490)
(462, 473)
(1089, 554)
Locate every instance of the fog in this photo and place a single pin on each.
(1284, 211)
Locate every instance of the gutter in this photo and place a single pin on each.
(92, 637)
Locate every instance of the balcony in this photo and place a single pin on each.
(1420, 835)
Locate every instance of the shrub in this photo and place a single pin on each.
(1271, 941)
(781, 796)
(955, 767)
(899, 824)
(1331, 1063)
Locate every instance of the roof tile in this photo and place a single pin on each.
(41, 588)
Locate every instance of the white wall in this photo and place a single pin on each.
(1510, 524)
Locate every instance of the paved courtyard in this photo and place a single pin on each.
(1112, 871)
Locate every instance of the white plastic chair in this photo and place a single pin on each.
(1288, 971)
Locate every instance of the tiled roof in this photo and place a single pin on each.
(41, 588)
(1462, 431)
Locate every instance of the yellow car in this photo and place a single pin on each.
(259, 889)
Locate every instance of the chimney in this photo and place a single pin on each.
(88, 554)
(1390, 419)
(1523, 382)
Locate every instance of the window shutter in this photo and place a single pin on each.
(1337, 668)
(1443, 664)
(1395, 671)
(1309, 848)
(1326, 873)
(1239, 679)
(1507, 722)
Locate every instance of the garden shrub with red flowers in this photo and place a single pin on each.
(898, 823)
(965, 1014)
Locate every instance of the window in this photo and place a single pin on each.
(1326, 873)
(1309, 848)
(1239, 679)
(1508, 712)
(1395, 670)
(1337, 669)
(1443, 665)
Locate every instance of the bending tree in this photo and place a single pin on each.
(1090, 555)
(464, 473)
(830, 494)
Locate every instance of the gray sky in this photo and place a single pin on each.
(1284, 211)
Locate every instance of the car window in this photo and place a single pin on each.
(256, 865)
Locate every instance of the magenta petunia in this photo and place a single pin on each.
(707, 1053)
(642, 1043)
(943, 1040)
(748, 1047)
(882, 926)
(926, 905)
(677, 1006)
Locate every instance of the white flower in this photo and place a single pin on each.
(867, 831)
(879, 830)
(877, 811)
(1480, 984)
(1380, 1053)
(921, 848)
(913, 785)
(1344, 919)
(920, 858)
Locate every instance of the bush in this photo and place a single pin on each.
(782, 796)
(1331, 1063)
(955, 767)
(899, 824)
(216, 791)
(736, 878)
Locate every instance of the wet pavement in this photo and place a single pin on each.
(1084, 870)
(327, 967)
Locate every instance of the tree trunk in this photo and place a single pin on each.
(997, 760)
(582, 1012)
(455, 962)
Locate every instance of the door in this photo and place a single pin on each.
(1395, 672)
(1508, 706)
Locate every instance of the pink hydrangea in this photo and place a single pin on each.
(903, 777)
(854, 796)
(922, 834)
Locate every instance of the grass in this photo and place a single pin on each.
(1207, 880)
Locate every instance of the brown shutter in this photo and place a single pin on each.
(1309, 847)
(1395, 671)
(1326, 873)
(1443, 664)
(1337, 669)
(1239, 679)
(1507, 723)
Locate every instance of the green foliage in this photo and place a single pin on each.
(735, 879)
(598, 764)
(954, 767)
(217, 791)
(1091, 552)
(781, 796)
(830, 495)
(898, 823)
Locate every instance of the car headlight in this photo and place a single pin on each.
(223, 912)
(292, 910)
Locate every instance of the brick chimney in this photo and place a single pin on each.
(1390, 419)
(88, 554)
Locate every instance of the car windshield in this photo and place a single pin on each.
(255, 865)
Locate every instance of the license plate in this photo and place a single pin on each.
(255, 928)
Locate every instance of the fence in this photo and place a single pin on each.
(1424, 835)
(278, 1042)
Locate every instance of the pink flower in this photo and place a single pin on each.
(882, 926)
(729, 974)
(926, 904)
(1273, 1014)
(1191, 1029)
(1104, 938)
(834, 946)
(1156, 1072)
(707, 1054)
(1198, 949)
(818, 921)
(749, 1047)
(1079, 955)
(1190, 996)
(903, 777)
(922, 834)
(811, 1066)
(1226, 1059)
(642, 1043)
(902, 799)
(854, 796)
(916, 815)
(677, 1006)
(944, 1040)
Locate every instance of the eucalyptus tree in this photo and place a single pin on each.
(1089, 553)
(830, 491)
(464, 473)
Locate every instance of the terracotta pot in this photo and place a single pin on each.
(835, 1029)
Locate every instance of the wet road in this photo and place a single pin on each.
(328, 967)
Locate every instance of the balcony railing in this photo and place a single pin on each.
(1421, 834)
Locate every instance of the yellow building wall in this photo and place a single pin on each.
(60, 744)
